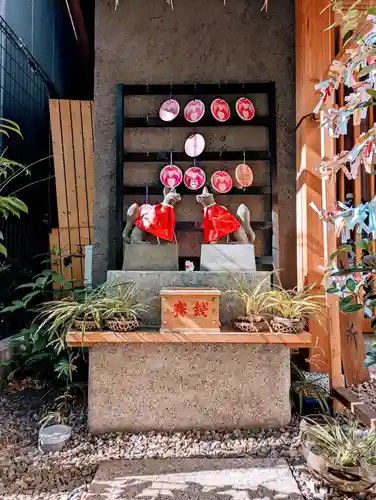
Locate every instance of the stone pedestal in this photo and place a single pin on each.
(165, 387)
(151, 257)
(228, 257)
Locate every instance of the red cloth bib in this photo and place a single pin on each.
(158, 220)
(218, 222)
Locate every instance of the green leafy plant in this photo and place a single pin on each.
(339, 444)
(303, 387)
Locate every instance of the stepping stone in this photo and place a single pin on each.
(194, 479)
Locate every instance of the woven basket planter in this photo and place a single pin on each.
(348, 479)
(286, 325)
(117, 325)
(87, 325)
(251, 323)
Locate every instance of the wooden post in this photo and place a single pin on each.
(314, 53)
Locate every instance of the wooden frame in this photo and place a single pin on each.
(123, 156)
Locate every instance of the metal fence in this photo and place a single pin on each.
(24, 93)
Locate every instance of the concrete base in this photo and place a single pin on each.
(228, 257)
(195, 479)
(150, 283)
(164, 387)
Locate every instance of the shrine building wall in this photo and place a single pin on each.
(199, 41)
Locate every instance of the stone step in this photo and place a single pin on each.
(195, 479)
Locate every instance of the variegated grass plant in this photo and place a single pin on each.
(57, 317)
(303, 387)
(339, 445)
(298, 304)
(256, 300)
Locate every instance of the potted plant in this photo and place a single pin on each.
(307, 395)
(121, 310)
(292, 308)
(91, 310)
(342, 456)
(256, 304)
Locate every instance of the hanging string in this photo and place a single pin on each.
(170, 91)
(146, 195)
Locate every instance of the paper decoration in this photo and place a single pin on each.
(220, 110)
(169, 110)
(221, 181)
(194, 145)
(245, 109)
(194, 178)
(194, 111)
(244, 175)
(171, 176)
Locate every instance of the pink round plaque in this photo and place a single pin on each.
(171, 176)
(169, 110)
(194, 178)
(194, 145)
(245, 109)
(244, 175)
(194, 111)
(220, 110)
(221, 181)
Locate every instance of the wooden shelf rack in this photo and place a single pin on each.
(78, 339)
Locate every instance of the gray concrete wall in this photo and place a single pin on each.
(204, 41)
(164, 387)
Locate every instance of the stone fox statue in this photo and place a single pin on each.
(219, 223)
(151, 223)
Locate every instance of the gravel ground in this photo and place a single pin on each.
(366, 392)
(28, 474)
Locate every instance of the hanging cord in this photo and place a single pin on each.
(308, 115)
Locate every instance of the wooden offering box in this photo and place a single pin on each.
(190, 310)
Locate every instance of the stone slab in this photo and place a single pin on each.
(195, 479)
(228, 258)
(166, 387)
(150, 257)
(150, 283)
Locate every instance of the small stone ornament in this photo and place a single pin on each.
(221, 181)
(194, 111)
(169, 110)
(220, 110)
(171, 176)
(245, 109)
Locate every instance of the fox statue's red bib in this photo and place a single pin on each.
(158, 220)
(218, 223)
(147, 222)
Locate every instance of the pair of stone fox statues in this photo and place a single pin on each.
(153, 223)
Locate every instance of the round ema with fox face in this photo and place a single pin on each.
(245, 109)
(220, 110)
(221, 181)
(169, 110)
(194, 111)
(194, 178)
(171, 176)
